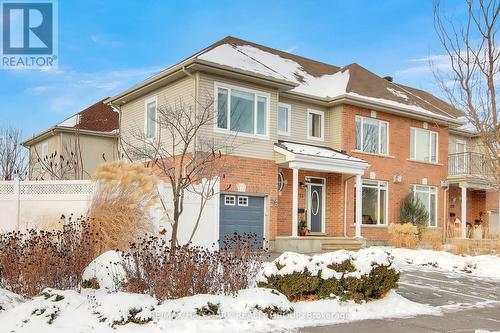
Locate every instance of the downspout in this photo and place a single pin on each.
(345, 205)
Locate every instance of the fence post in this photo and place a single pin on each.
(17, 201)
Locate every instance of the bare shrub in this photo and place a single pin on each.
(124, 196)
(403, 235)
(153, 268)
(474, 247)
(431, 239)
(32, 261)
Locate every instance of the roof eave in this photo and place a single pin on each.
(61, 129)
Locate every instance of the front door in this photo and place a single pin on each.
(315, 203)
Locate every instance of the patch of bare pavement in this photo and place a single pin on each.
(468, 304)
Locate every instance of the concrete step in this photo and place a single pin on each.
(340, 244)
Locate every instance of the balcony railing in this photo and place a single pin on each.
(474, 164)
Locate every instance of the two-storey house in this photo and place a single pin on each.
(336, 147)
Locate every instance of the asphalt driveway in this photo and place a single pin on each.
(469, 304)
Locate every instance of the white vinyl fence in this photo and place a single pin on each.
(40, 205)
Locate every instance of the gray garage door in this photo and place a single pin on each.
(241, 214)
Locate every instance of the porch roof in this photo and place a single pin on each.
(315, 158)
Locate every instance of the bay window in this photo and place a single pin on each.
(374, 202)
(315, 125)
(427, 195)
(372, 135)
(241, 110)
(423, 145)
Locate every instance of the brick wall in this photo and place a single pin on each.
(396, 163)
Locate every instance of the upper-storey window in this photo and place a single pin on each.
(372, 135)
(284, 118)
(315, 124)
(423, 145)
(150, 125)
(241, 110)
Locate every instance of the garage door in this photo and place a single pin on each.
(241, 214)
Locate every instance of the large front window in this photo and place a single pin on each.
(241, 110)
(374, 202)
(371, 135)
(423, 145)
(427, 195)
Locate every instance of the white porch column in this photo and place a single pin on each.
(464, 210)
(295, 201)
(358, 205)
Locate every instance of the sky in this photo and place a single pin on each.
(106, 46)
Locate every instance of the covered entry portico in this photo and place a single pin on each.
(316, 163)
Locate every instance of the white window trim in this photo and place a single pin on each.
(460, 142)
(146, 102)
(322, 114)
(379, 135)
(429, 187)
(243, 197)
(257, 93)
(413, 158)
(379, 187)
(227, 197)
(289, 119)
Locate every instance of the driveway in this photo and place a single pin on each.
(468, 304)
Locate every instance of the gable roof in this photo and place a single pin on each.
(310, 78)
(97, 119)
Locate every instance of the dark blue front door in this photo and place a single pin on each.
(316, 207)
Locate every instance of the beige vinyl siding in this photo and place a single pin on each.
(242, 146)
(54, 145)
(133, 112)
(472, 144)
(92, 149)
(332, 135)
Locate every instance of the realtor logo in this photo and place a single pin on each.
(29, 34)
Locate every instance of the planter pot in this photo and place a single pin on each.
(303, 232)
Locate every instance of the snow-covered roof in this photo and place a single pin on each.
(310, 150)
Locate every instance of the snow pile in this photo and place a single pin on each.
(57, 311)
(249, 58)
(8, 300)
(107, 269)
(289, 262)
(486, 266)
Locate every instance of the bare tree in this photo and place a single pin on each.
(183, 152)
(12, 156)
(471, 85)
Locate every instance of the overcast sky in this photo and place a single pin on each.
(106, 46)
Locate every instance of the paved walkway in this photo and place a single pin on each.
(468, 304)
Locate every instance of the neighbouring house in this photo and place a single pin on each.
(72, 149)
(336, 147)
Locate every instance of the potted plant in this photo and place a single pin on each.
(303, 228)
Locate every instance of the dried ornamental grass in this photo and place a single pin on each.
(403, 235)
(124, 196)
(432, 239)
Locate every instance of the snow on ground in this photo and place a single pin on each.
(484, 266)
(8, 299)
(107, 269)
(69, 311)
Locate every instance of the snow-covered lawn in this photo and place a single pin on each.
(485, 266)
(251, 310)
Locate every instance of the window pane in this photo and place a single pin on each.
(315, 125)
(369, 205)
(422, 140)
(432, 211)
(261, 115)
(412, 143)
(283, 119)
(151, 120)
(222, 108)
(370, 135)
(242, 111)
(433, 147)
(382, 206)
(358, 133)
(383, 138)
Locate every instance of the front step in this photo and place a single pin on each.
(349, 244)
